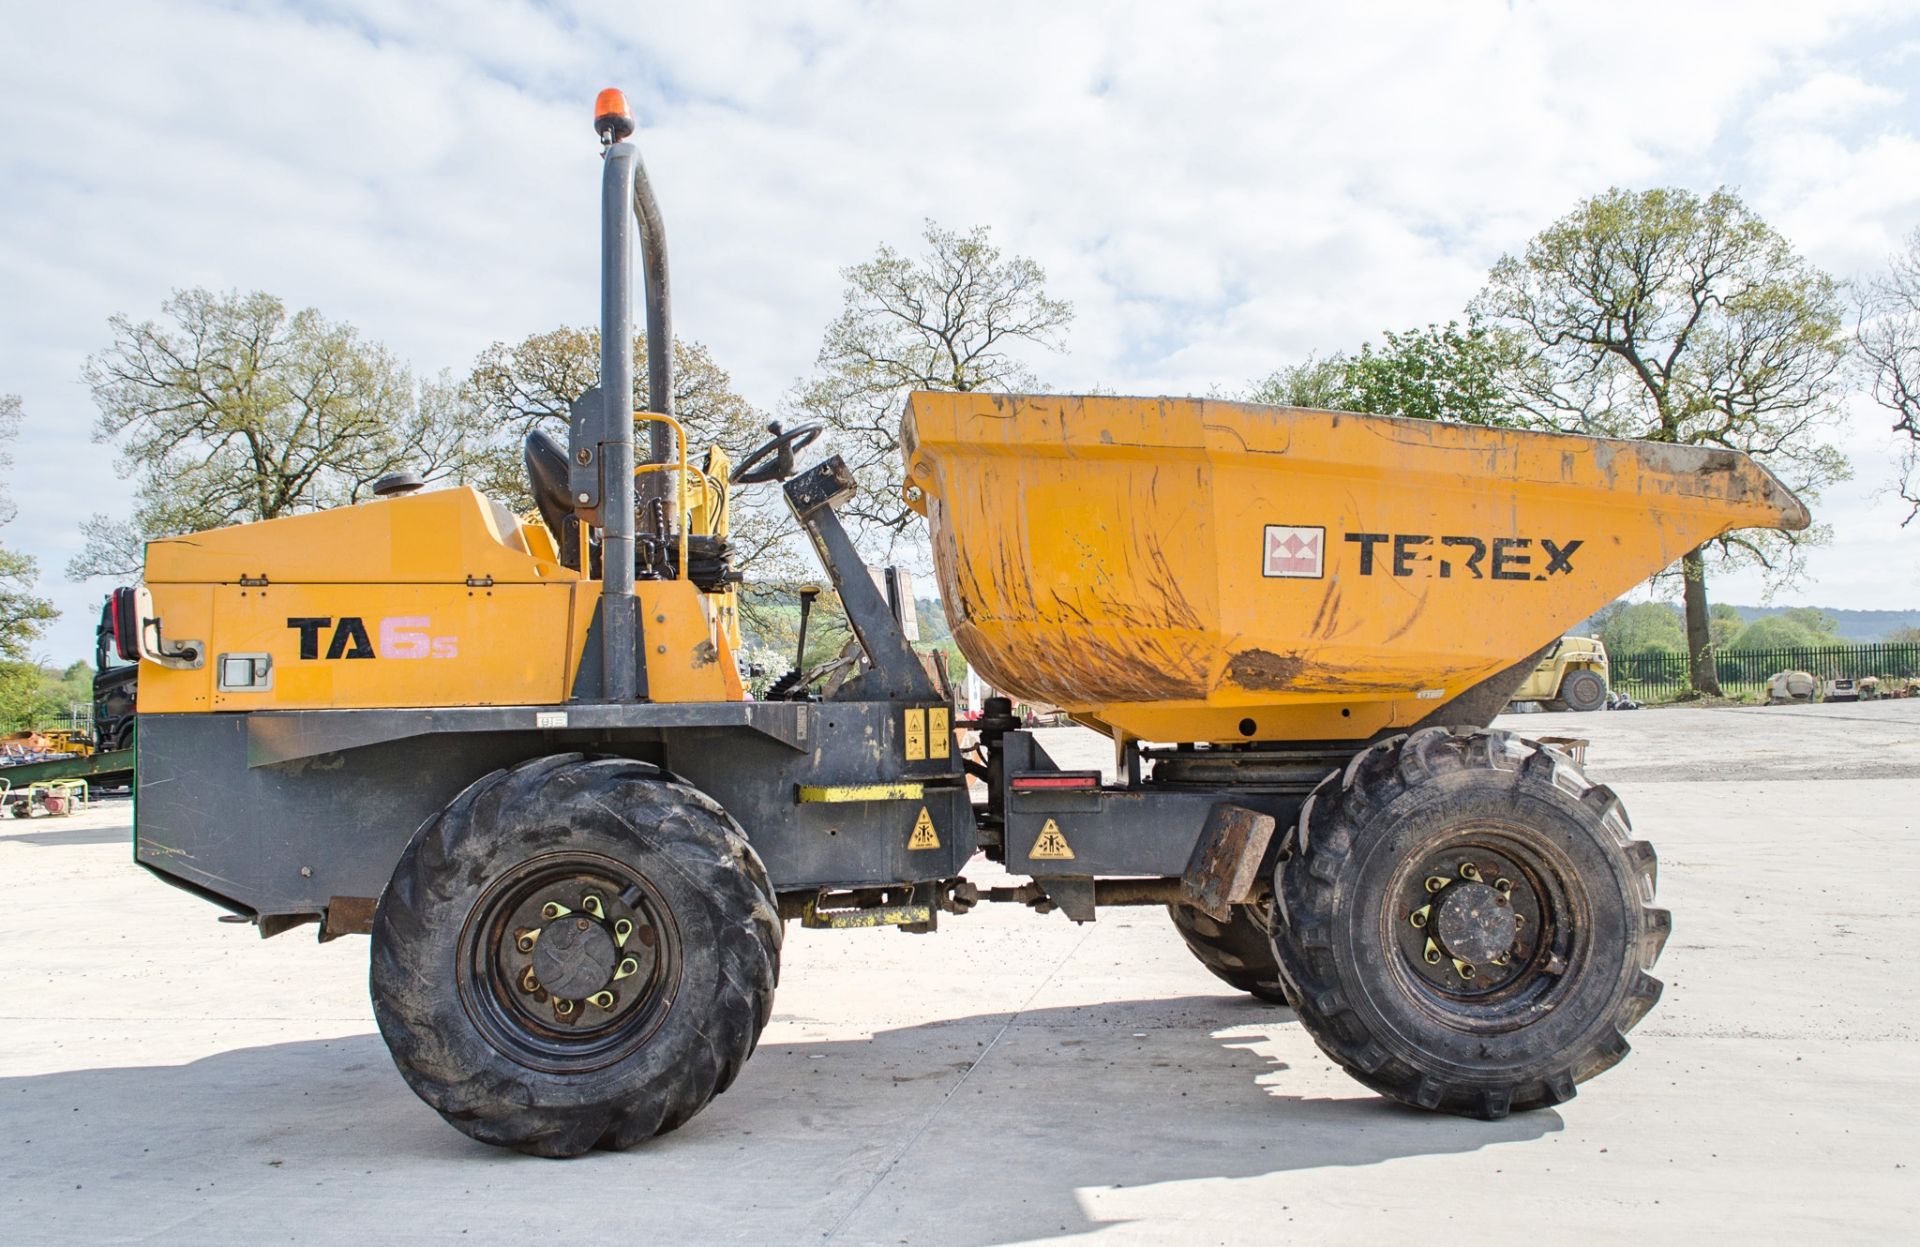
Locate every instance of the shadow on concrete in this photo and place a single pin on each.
(48, 833)
(977, 1130)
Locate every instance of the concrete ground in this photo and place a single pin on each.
(1017, 1078)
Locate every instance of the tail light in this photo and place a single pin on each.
(123, 622)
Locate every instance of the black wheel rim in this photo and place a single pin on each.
(603, 937)
(1490, 926)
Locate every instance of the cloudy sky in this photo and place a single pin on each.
(1219, 189)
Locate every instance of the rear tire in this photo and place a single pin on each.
(1239, 951)
(1542, 895)
(1583, 690)
(636, 900)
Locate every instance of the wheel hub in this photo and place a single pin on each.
(574, 956)
(1474, 922)
(572, 960)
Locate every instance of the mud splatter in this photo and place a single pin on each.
(1264, 669)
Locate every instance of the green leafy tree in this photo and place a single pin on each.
(1888, 339)
(19, 686)
(1727, 624)
(1675, 318)
(23, 614)
(1641, 627)
(775, 626)
(33, 695)
(1441, 372)
(1320, 384)
(229, 409)
(956, 316)
(1779, 632)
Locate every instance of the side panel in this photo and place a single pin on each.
(231, 811)
(678, 634)
(367, 645)
(831, 841)
(286, 839)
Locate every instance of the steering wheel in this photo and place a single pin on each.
(773, 461)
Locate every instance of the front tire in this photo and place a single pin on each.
(1583, 690)
(1466, 922)
(574, 954)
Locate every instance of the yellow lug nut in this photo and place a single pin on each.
(554, 909)
(1463, 969)
(1436, 882)
(591, 904)
(622, 929)
(1432, 953)
(1419, 916)
(1470, 872)
(628, 967)
(601, 1000)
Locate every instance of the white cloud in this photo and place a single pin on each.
(1218, 188)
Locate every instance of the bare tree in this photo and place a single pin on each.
(1888, 339)
(233, 411)
(533, 384)
(951, 318)
(1665, 316)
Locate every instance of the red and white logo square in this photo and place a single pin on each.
(1299, 552)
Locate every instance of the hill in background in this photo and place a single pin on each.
(1853, 625)
(1640, 627)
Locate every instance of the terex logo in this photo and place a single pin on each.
(401, 636)
(1504, 558)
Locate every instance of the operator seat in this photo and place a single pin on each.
(547, 477)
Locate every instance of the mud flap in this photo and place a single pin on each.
(1228, 859)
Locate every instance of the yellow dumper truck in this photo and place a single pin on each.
(517, 753)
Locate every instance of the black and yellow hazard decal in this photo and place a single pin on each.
(939, 732)
(1050, 845)
(924, 836)
(913, 734)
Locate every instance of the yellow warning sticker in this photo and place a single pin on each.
(1050, 845)
(914, 734)
(924, 836)
(939, 734)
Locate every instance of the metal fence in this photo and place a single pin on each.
(1658, 675)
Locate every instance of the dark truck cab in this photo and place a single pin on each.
(113, 687)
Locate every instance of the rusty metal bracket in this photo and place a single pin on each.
(1225, 868)
(348, 915)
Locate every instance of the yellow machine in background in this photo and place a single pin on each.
(1572, 676)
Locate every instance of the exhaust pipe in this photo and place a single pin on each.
(626, 199)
